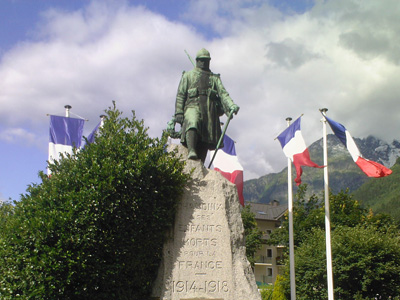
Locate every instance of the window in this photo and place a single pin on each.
(269, 252)
(269, 272)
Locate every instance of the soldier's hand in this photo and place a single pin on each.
(179, 118)
(235, 108)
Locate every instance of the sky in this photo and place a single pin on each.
(277, 59)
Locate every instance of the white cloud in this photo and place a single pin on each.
(91, 57)
(273, 65)
(12, 135)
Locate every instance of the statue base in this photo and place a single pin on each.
(204, 256)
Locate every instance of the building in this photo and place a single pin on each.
(269, 258)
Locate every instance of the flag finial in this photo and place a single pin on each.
(323, 110)
(67, 108)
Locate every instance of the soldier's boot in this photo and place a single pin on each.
(191, 142)
(202, 150)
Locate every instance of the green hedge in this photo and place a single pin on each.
(95, 228)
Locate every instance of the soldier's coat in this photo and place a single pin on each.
(202, 99)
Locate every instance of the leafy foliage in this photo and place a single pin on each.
(276, 291)
(362, 247)
(253, 234)
(6, 210)
(279, 290)
(266, 291)
(309, 214)
(95, 228)
(365, 262)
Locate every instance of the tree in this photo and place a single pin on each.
(309, 214)
(95, 228)
(252, 233)
(352, 227)
(6, 210)
(279, 289)
(266, 291)
(366, 262)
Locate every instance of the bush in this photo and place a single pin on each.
(252, 233)
(279, 289)
(95, 228)
(266, 292)
(366, 263)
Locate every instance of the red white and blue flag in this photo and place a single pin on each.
(65, 133)
(227, 163)
(92, 136)
(295, 148)
(369, 167)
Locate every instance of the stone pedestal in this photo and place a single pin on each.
(204, 256)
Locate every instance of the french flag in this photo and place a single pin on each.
(295, 148)
(65, 133)
(369, 167)
(226, 162)
(92, 136)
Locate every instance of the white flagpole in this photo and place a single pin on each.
(102, 117)
(327, 214)
(67, 108)
(291, 238)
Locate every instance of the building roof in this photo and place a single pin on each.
(273, 211)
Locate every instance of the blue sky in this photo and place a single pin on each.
(276, 58)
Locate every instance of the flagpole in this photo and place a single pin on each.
(102, 117)
(327, 214)
(67, 108)
(291, 237)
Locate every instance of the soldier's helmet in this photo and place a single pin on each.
(203, 53)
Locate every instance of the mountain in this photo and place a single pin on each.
(343, 172)
(383, 195)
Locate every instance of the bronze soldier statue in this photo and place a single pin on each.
(200, 101)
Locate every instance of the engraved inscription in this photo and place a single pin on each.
(199, 265)
(198, 299)
(200, 228)
(211, 286)
(201, 242)
(198, 253)
(203, 217)
(204, 206)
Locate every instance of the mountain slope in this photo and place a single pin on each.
(382, 194)
(343, 172)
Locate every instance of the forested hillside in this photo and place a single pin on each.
(382, 194)
(343, 172)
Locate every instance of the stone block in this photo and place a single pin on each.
(204, 256)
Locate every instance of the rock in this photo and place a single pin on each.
(204, 256)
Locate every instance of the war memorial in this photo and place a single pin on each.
(204, 256)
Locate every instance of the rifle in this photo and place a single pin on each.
(171, 124)
(221, 138)
(190, 58)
